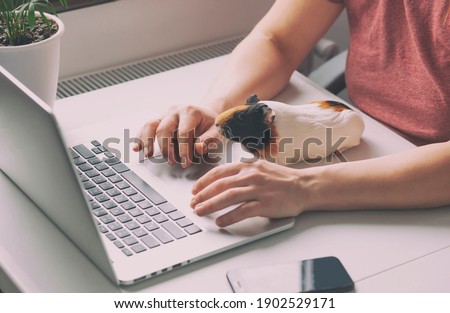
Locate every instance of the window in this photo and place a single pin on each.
(77, 4)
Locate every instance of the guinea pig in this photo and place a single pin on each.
(288, 134)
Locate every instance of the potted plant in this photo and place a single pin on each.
(30, 35)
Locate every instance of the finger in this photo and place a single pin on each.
(186, 139)
(218, 187)
(224, 200)
(242, 212)
(208, 141)
(165, 134)
(215, 174)
(146, 137)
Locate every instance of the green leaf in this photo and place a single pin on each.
(31, 15)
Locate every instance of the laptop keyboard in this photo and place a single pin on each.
(130, 213)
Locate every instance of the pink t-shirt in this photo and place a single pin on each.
(398, 67)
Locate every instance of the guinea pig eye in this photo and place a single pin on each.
(240, 117)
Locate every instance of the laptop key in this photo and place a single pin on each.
(85, 167)
(94, 205)
(103, 229)
(128, 205)
(79, 161)
(150, 242)
(130, 240)
(139, 232)
(111, 161)
(143, 219)
(137, 198)
(106, 186)
(94, 191)
(162, 236)
(192, 229)
(184, 222)
(132, 225)
(99, 180)
(120, 199)
(96, 150)
(135, 212)
(176, 215)
(124, 218)
(152, 211)
(127, 252)
(113, 192)
(138, 248)
(99, 212)
(96, 143)
(122, 233)
(114, 226)
(145, 204)
(94, 161)
(88, 185)
(119, 244)
(120, 168)
(92, 173)
(101, 166)
(115, 179)
(129, 191)
(173, 229)
(122, 184)
(110, 236)
(167, 207)
(160, 218)
(106, 219)
(102, 198)
(109, 204)
(84, 152)
(116, 211)
(109, 172)
(151, 226)
(143, 187)
(84, 178)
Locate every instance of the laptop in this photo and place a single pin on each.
(128, 217)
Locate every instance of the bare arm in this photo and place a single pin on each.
(264, 61)
(419, 178)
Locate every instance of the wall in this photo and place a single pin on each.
(128, 30)
(123, 31)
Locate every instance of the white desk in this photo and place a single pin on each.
(379, 248)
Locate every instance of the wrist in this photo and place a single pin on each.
(319, 188)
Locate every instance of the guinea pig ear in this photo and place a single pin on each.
(253, 99)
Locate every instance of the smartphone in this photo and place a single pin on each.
(325, 274)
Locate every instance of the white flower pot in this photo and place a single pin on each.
(36, 65)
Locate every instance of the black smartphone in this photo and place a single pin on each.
(325, 274)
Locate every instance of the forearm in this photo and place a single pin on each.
(419, 178)
(255, 66)
(264, 61)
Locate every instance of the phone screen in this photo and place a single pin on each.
(325, 274)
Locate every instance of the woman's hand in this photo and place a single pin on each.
(179, 132)
(261, 188)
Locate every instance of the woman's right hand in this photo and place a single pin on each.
(179, 132)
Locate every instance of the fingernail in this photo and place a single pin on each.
(135, 146)
(170, 162)
(184, 162)
(198, 209)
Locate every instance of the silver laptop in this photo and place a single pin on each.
(129, 218)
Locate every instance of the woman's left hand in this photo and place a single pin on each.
(261, 188)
